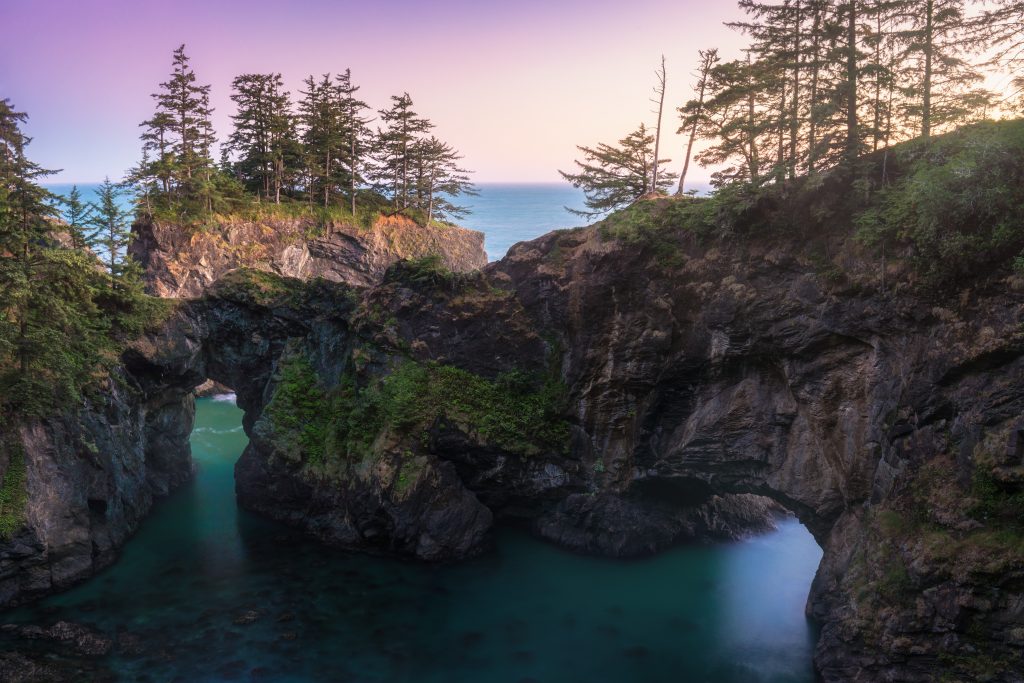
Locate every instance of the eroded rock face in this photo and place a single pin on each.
(699, 386)
(181, 262)
(91, 477)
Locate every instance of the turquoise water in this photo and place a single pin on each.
(213, 593)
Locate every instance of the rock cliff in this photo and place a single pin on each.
(622, 387)
(182, 261)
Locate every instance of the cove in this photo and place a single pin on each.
(208, 592)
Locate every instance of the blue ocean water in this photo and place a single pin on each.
(512, 212)
(506, 212)
(206, 592)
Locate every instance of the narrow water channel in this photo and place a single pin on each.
(207, 592)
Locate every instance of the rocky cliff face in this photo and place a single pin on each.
(655, 396)
(90, 478)
(181, 262)
(620, 390)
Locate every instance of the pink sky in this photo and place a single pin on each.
(514, 86)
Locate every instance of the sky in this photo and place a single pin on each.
(515, 86)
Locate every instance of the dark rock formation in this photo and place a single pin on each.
(91, 478)
(181, 262)
(619, 394)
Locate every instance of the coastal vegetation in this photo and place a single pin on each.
(823, 83)
(350, 421)
(317, 152)
(63, 315)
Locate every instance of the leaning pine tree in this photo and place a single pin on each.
(614, 176)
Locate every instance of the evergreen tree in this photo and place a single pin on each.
(25, 214)
(943, 88)
(615, 176)
(78, 216)
(111, 229)
(356, 134)
(320, 112)
(734, 123)
(180, 139)
(1002, 28)
(692, 113)
(394, 145)
(264, 134)
(440, 179)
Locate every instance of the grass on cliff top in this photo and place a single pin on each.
(13, 496)
(514, 412)
(258, 287)
(370, 207)
(954, 202)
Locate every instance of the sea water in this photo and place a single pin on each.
(208, 592)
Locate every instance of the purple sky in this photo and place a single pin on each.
(514, 86)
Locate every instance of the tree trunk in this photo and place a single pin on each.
(812, 131)
(657, 132)
(852, 133)
(689, 143)
(794, 114)
(430, 199)
(929, 48)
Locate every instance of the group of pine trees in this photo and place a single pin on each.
(60, 310)
(823, 82)
(319, 149)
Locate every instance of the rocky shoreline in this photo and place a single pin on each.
(615, 398)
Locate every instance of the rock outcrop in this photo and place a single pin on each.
(182, 261)
(91, 477)
(619, 391)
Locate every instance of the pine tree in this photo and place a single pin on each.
(1002, 28)
(615, 176)
(264, 134)
(356, 134)
(180, 137)
(25, 213)
(693, 112)
(735, 124)
(320, 113)
(440, 179)
(934, 40)
(777, 34)
(110, 229)
(394, 145)
(77, 216)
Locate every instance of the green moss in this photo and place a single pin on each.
(13, 496)
(260, 287)
(349, 423)
(510, 412)
(994, 501)
(411, 469)
(297, 410)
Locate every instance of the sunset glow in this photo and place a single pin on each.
(515, 86)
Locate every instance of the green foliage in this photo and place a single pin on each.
(13, 496)
(297, 410)
(260, 287)
(614, 176)
(62, 319)
(995, 503)
(958, 202)
(514, 412)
